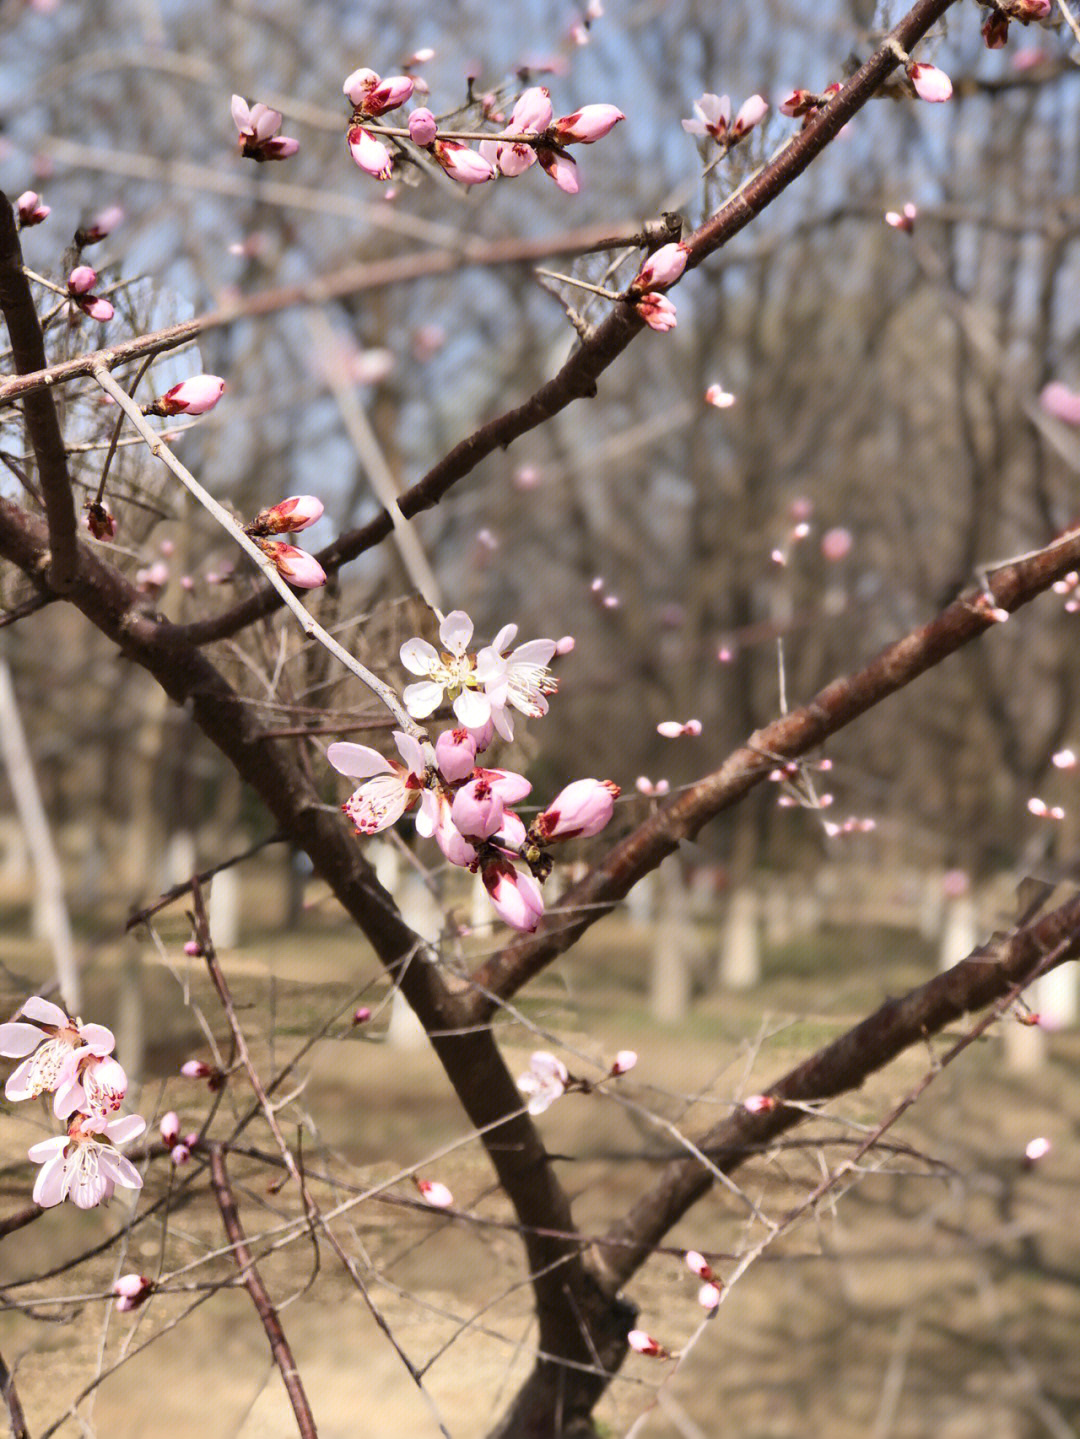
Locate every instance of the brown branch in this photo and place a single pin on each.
(204, 876)
(11, 1400)
(845, 1064)
(796, 733)
(577, 380)
(39, 412)
(271, 1322)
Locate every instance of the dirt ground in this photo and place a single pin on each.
(939, 1296)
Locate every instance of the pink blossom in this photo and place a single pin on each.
(384, 96)
(455, 753)
(194, 396)
(708, 1296)
(836, 544)
(361, 1015)
(169, 1128)
(131, 1290)
(437, 822)
(653, 789)
(389, 787)
(579, 811)
(296, 567)
(84, 1165)
(92, 1083)
(520, 679)
(258, 128)
(1037, 1149)
(623, 1062)
(1062, 403)
(698, 1265)
(54, 1045)
(81, 280)
(713, 114)
(643, 1343)
(288, 516)
(103, 223)
(370, 154)
(79, 284)
(423, 127)
(760, 1103)
(434, 1193)
(930, 83)
(661, 269)
(30, 210)
(718, 396)
(516, 896)
(560, 168)
(657, 311)
(751, 112)
(462, 164)
(532, 113)
(454, 672)
(477, 809)
(565, 645)
(675, 729)
(180, 1153)
(97, 308)
(1027, 10)
(1063, 759)
(359, 85)
(587, 125)
(903, 219)
(544, 1081)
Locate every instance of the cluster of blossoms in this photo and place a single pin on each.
(532, 134)
(663, 267)
(548, 1079)
(295, 566)
(80, 285)
(464, 806)
(995, 31)
(74, 1063)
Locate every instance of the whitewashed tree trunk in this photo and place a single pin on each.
(641, 901)
(224, 909)
(1056, 996)
(959, 931)
(51, 911)
(421, 912)
(740, 947)
(670, 979)
(1025, 1046)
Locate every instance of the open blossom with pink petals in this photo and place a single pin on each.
(54, 1044)
(295, 566)
(389, 788)
(93, 1083)
(712, 115)
(30, 210)
(194, 396)
(521, 678)
(587, 125)
(579, 811)
(462, 164)
(930, 83)
(543, 1082)
(453, 672)
(516, 896)
(258, 128)
(84, 1165)
(657, 311)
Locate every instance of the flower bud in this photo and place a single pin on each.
(698, 1265)
(561, 169)
(196, 1069)
(100, 523)
(288, 516)
(180, 1153)
(388, 94)
(30, 210)
(434, 1193)
(477, 810)
(361, 1015)
(623, 1062)
(455, 754)
(580, 810)
(81, 280)
(194, 396)
(423, 127)
(532, 113)
(359, 85)
(587, 125)
(370, 154)
(296, 567)
(462, 164)
(751, 112)
(657, 311)
(661, 269)
(104, 223)
(517, 897)
(131, 1290)
(170, 1128)
(643, 1343)
(930, 83)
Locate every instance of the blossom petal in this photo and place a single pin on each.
(17, 1040)
(44, 1149)
(120, 1131)
(357, 761)
(420, 658)
(422, 699)
(410, 750)
(456, 632)
(50, 1185)
(472, 708)
(44, 1011)
(504, 638)
(98, 1038)
(21, 1081)
(378, 803)
(120, 1169)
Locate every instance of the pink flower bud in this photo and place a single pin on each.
(359, 85)
(903, 219)
(434, 1193)
(517, 897)
(532, 113)
(361, 1015)
(718, 396)
(930, 83)
(194, 396)
(661, 269)
(30, 209)
(170, 1128)
(643, 1343)
(455, 754)
(192, 948)
(295, 566)
(698, 1265)
(708, 1296)
(180, 1153)
(760, 1103)
(131, 1290)
(565, 646)
(196, 1069)
(423, 127)
(81, 280)
(370, 154)
(657, 311)
(1036, 1149)
(751, 113)
(288, 516)
(585, 126)
(836, 544)
(388, 95)
(580, 810)
(100, 523)
(103, 223)
(97, 308)
(477, 810)
(561, 169)
(1027, 10)
(462, 164)
(623, 1062)
(1062, 403)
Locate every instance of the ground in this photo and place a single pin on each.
(939, 1296)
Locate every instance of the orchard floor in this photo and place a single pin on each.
(939, 1296)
